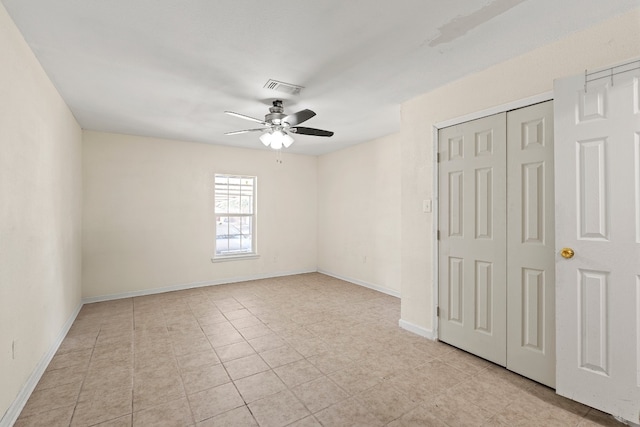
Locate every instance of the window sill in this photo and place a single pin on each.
(234, 257)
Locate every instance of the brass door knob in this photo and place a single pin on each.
(567, 253)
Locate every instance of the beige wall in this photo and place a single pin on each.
(605, 44)
(359, 214)
(148, 203)
(148, 220)
(40, 191)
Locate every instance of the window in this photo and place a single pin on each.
(235, 216)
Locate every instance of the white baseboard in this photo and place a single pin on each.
(418, 330)
(183, 286)
(16, 407)
(384, 290)
(627, 422)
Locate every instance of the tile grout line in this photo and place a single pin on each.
(93, 349)
(225, 369)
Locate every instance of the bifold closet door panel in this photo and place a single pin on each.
(472, 247)
(530, 243)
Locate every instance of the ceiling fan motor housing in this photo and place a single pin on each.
(276, 113)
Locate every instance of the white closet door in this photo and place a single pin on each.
(598, 216)
(530, 243)
(472, 250)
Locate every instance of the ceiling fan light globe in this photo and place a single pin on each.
(287, 140)
(277, 138)
(266, 138)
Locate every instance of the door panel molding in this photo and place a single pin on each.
(593, 315)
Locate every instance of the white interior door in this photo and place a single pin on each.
(598, 216)
(530, 244)
(472, 247)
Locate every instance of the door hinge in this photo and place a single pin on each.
(438, 311)
(438, 235)
(437, 157)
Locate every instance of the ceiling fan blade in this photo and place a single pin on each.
(311, 131)
(242, 116)
(236, 132)
(299, 117)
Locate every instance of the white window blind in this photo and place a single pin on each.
(235, 215)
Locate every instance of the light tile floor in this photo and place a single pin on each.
(304, 350)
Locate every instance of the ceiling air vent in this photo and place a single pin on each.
(283, 87)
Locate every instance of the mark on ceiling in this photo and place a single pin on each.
(460, 25)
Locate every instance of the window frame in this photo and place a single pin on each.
(253, 253)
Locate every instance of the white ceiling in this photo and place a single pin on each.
(167, 68)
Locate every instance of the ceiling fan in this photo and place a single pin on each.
(278, 126)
